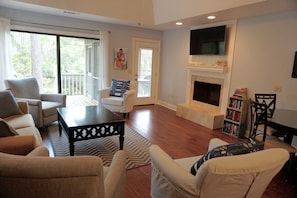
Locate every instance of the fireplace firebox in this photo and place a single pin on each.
(207, 92)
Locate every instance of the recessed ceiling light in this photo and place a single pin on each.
(211, 17)
(178, 23)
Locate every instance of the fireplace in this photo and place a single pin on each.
(207, 92)
(207, 107)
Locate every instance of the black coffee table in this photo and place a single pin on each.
(89, 122)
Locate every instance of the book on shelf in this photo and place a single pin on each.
(235, 103)
(240, 93)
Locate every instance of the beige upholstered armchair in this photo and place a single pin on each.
(245, 175)
(59, 177)
(43, 107)
(117, 98)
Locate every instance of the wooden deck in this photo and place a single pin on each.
(80, 100)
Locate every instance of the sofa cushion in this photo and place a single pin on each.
(6, 129)
(115, 101)
(8, 104)
(31, 131)
(50, 108)
(237, 148)
(119, 87)
(20, 121)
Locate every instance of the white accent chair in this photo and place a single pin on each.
(43, 107)
(74, 177)
(245, 175)
(122, 104)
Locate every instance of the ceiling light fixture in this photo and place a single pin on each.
(211, 17)
(178, 23)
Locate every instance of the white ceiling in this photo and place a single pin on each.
(154, 14)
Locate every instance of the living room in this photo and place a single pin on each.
(262, 53)
(262, 56)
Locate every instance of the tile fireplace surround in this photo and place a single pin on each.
(210, 116)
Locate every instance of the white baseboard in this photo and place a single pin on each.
(167, 105)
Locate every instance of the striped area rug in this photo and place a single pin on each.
(135, 145)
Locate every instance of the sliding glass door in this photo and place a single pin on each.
(63, 64)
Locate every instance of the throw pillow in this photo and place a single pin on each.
(17, 145)
(119, 87)
(8, 104)
(237, 148)
(6, 129)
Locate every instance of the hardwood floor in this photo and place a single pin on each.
(179, 138)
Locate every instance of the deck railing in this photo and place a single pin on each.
(72, 84)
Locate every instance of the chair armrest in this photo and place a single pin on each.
(114, 181)
(17, 145)
(215, 142)
(51, 174)
(129, 99)
(50, 167)
(129, 94)
(39, 151)
(35, 109)
(103, 93)
(166, 173)
(60, 98)
(33, 102)
(24, 106)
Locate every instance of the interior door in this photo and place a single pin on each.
(146, 55)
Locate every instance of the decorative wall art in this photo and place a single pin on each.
(294, 72)
(120, 58)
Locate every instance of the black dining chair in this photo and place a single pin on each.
(258, 116)
(269, 99)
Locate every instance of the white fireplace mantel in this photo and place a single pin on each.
(206, 68)
(217, 72)
(207, 115)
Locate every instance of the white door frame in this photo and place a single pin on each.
(155, 45)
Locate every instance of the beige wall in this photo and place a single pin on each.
(119, 36)
(264, 55)
(129, 10)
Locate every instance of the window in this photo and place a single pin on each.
(60, 63)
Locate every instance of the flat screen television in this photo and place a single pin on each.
(208, 41)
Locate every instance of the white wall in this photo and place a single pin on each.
(173, 74)
(263, 57)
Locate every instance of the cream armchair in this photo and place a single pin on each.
(59, 177)
(232, 176)
(122, 104)
(43, 107)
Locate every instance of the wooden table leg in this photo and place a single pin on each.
(60, 129)
(71, 148)
(71, 141)
(122, 138)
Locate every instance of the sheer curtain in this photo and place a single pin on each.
(5, 56)
(104, 40)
